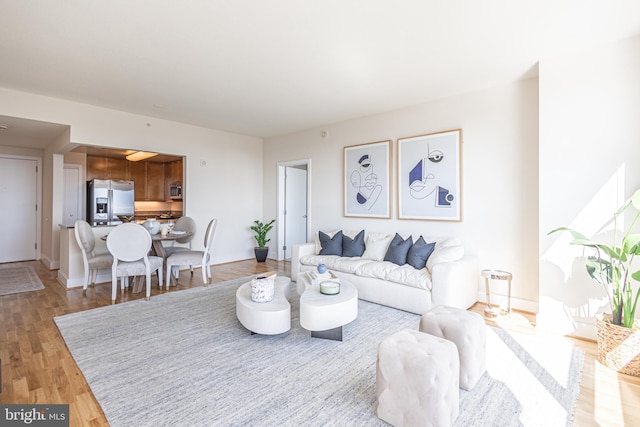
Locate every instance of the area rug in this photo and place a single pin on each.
(19, 279)
(183, 359)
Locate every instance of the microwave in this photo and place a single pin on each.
(176, 191)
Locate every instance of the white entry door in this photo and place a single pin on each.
(295, 208)
(18, 196)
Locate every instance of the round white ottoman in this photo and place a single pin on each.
(467, 331)
(417, 380)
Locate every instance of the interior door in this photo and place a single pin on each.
(295, 208)
(18, 192)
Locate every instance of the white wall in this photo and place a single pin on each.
(227, 187)
(589, 151)
(500, 175)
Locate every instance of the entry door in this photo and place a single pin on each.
(295, 208)
(18, 193)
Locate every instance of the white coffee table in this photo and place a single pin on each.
(265, 318)
(325, 315)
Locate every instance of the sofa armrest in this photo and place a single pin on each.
(298, 252)
(455, 284)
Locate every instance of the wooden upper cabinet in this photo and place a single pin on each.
(138, 174)
(118, 168)
(151, 179)
(155, 181)
(97, 168)
(107, 168)
(172, 173)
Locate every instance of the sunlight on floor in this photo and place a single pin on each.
(607, 389)
(540, 370)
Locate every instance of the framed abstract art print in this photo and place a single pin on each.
(429, 176)
(367, 180)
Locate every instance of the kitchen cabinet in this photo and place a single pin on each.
(155, 181)
(148, 180)
(173, 173)
(138, 174)
(107, 168)
(152, 180)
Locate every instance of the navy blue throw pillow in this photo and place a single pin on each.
(330, 245)
(419, 253)
(398, 249)
(353, 247)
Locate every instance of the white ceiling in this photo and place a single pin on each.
(269, 68)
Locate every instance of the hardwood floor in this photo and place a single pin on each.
(37, 367)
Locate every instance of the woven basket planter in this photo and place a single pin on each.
(618, 347)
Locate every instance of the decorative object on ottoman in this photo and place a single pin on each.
(467, 331)
(262, 287)
(417, 380)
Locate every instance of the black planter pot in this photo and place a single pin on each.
(261, 254)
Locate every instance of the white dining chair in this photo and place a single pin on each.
(194, 258)
(187, 224)
(129, 244)
(92, 262)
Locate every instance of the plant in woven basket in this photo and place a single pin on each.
(610, 265)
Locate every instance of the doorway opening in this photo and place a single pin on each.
(294, 196)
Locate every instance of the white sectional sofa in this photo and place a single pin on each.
(449, 277)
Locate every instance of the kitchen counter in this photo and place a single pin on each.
(71, 272)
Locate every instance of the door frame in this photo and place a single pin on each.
(38, 161)
(281, 201)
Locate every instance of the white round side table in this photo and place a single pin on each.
(496, 275)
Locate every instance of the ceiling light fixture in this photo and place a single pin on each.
(140, 155)
(4, 127)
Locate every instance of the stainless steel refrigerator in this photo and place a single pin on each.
(107, 199)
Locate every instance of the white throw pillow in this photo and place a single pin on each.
(376, 245)
(446, 251)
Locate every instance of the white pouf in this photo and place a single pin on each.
(417, 380)
(467, 331)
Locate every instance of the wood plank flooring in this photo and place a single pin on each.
(38, 368)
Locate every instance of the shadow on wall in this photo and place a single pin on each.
(574, 300)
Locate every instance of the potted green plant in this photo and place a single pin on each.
(261, 229)
(610, 266)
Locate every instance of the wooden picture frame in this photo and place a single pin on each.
(367, 180)
(429, 176)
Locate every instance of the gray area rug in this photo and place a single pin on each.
(19, 279)
(183, 359)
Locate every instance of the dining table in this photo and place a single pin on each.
(157, 249)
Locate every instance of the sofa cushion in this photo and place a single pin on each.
(376, 245)
(377, 269)
(398, 250)
(407, 275)
(330, 245)
(419, 253)
(353, 247)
